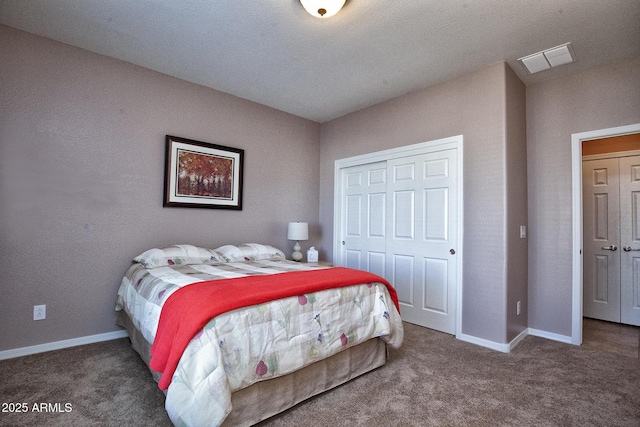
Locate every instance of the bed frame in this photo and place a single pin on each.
(249, 404)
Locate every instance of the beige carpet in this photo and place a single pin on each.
(433, 379)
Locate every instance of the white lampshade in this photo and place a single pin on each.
(298, 231)
(322, 8)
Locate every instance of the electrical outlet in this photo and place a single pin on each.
(518, 308)
(523, 231)
(39, 312)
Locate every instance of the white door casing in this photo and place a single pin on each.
(576, 203)
(363, 237)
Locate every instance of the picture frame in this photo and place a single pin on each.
(202, 175)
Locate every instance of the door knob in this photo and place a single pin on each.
(452, 251)
(611, 248)
(629, 249)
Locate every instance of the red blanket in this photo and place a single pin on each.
(190, 308)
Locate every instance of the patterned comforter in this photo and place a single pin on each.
(241, 347)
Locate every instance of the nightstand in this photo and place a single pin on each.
(320, 263)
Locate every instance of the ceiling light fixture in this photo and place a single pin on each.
(322, 8)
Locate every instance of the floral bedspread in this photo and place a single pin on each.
(241, 347)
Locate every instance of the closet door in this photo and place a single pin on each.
(630, 240)
(397, 214)
(364, 223)
(601, 204)
(422, 204)
(611, 207)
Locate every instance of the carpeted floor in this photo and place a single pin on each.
(433, 380)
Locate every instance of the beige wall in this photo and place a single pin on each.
(517, 206)
(82, 159)
(599, 98)
(81, 180)
(474, 106)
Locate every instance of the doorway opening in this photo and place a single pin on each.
(576, 171)
(611, 238)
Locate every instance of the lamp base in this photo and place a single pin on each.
(296, 255)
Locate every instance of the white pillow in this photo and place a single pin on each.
(178, 255)
(249, 252)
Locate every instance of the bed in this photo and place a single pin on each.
(257, 356)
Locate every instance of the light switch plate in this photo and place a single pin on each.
(523, 231)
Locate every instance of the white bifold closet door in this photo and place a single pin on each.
(611, 207)
(400, 223)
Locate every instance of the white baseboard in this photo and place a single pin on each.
(58, 345)
(514, 342)
(504, 348)
(550, 336)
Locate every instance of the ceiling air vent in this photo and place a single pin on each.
(549, 58)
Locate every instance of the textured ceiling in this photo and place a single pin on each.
(274, 53)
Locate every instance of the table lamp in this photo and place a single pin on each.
(297, 231)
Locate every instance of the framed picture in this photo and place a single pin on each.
(202, 175)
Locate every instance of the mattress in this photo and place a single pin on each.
(251, 345)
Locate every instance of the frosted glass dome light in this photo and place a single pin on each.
(322, 8)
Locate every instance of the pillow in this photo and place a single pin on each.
(249, 252)
(178, 255)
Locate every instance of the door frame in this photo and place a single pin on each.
(576, 199)
(453, 142)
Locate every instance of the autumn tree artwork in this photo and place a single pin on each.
(204, 175)
(199, 174)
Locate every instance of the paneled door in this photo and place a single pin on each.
(399, 220)
(630, 240)
(611, 207)
(422, 202)
(365, 204)
(601, 207)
